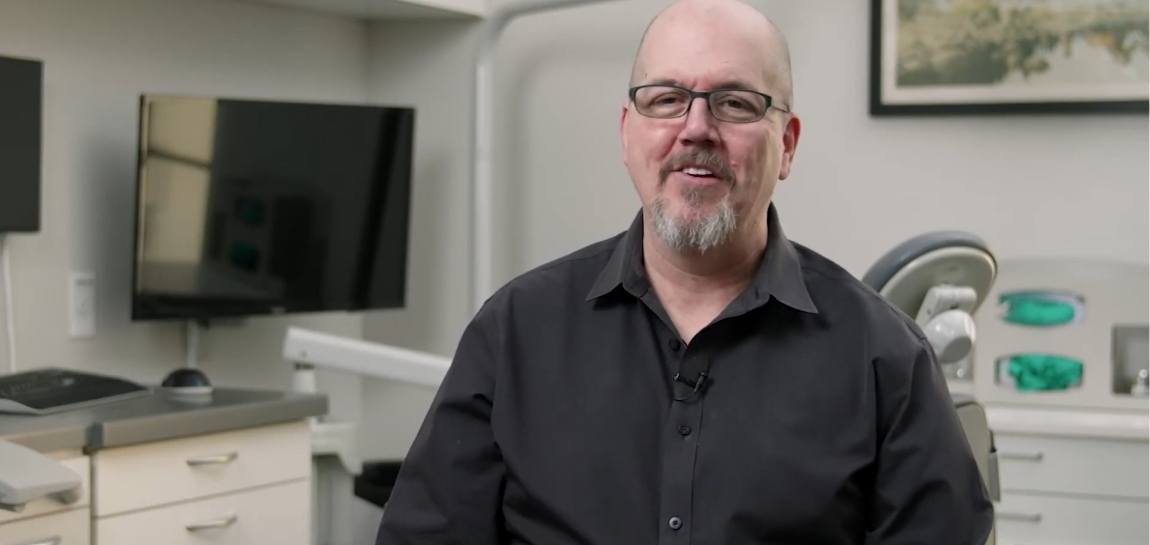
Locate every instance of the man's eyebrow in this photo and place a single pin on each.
(665, 81)
(735, 84)
(725, 84)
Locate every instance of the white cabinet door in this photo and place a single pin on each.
(1073, 465)
(1026, 519)
(277, 515)
(67, 528)
(154, 474)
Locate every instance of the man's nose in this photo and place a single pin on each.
(699, 125)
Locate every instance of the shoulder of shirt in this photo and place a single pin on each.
(828, 281)
(557, 280)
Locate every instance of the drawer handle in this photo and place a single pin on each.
(54, 540)
(1020, 517)
(215, 460)
(213, 524)
(1035, 456)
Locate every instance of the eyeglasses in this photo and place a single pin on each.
(730, 105)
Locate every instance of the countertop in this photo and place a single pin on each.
(1069, 422)
(156, 417)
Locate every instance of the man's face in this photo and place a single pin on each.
(695, 170)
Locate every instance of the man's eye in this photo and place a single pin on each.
(734, 103)
(668, 99)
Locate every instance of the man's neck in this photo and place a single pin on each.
(695, 287)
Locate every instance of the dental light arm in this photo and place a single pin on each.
(310, 349)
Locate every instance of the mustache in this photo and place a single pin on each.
(705, 158)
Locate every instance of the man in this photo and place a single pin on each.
(698, 379)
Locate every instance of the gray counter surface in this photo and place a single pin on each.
(156, 417)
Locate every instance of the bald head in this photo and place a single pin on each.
(720, 19)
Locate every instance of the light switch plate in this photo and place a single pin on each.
(82, 299)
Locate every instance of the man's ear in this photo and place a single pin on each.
(623, 131)
(790, 143)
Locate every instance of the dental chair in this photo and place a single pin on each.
(940, 279)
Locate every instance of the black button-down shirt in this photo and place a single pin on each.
(809, 411)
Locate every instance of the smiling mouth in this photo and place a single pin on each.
(697, 172)
(699, 176)
(698, 167)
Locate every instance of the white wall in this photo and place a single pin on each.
(98, 57)
(428, 65)
(1069, 185)
(1032, 186)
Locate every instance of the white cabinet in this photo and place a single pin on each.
(49, 521)
(1035, 519)
(1074, 465)
(1073, 462)
(1072, 490)
(274, 514)
(66, 528)
(247, 486)
(1112, 295)
(152, 474)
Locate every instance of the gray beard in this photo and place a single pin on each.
(700, 235)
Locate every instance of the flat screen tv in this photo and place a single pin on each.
(21, 83)
(248, 207)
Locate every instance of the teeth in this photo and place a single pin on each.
(697, 171)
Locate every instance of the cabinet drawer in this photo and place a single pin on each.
(1025, 519)
(68, 528)
(153, 474)
(77, 463)
(1073, 465)
(277, 514)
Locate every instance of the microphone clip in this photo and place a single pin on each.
(697, 386)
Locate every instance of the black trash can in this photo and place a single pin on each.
(377, 480)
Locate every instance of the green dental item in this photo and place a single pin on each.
(1038, 309)
(1044, 372)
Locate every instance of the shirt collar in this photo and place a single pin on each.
(779, 275)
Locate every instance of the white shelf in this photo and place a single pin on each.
(390, 9)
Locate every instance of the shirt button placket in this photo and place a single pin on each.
(679, 452)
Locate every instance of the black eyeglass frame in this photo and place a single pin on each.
(706, 96)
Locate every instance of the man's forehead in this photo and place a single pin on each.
(712, 65)
(711, 44)
(703, 82)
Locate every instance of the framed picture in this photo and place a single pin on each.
(1009, 56)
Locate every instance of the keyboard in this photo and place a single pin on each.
(51, 390)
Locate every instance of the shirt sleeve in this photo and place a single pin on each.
(450, 484)
(927, 486)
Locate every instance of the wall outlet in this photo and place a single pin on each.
(82, 299)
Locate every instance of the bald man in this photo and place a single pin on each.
(699, 378)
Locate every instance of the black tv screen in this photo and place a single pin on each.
(251, 207)
(20, 128)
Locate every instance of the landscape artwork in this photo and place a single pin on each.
(956, 56)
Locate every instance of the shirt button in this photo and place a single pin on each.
(675, 345)
(684, 430)
(675, 523)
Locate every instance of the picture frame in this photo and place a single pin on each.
(947, 57)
